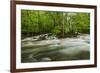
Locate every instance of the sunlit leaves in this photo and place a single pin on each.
(40, 22)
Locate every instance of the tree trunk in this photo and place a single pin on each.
(63, 25)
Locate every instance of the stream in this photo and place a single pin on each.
(54, 49)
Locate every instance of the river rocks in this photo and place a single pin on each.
(40, 37)
(46, 37)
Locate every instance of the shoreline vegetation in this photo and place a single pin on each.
(61, 24)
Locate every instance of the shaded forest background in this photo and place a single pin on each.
(61, 24)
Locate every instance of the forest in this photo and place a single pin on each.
(61, 24)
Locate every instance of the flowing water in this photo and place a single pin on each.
(35, 50)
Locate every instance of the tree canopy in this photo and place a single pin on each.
(35, 22)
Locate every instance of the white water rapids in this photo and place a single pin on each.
(75, 48)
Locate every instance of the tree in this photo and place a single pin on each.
(34, 22)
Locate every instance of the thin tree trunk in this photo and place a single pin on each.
(63, 25)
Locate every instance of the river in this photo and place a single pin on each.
(75, 48)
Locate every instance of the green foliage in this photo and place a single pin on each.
(39, 22)
(56, 30)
